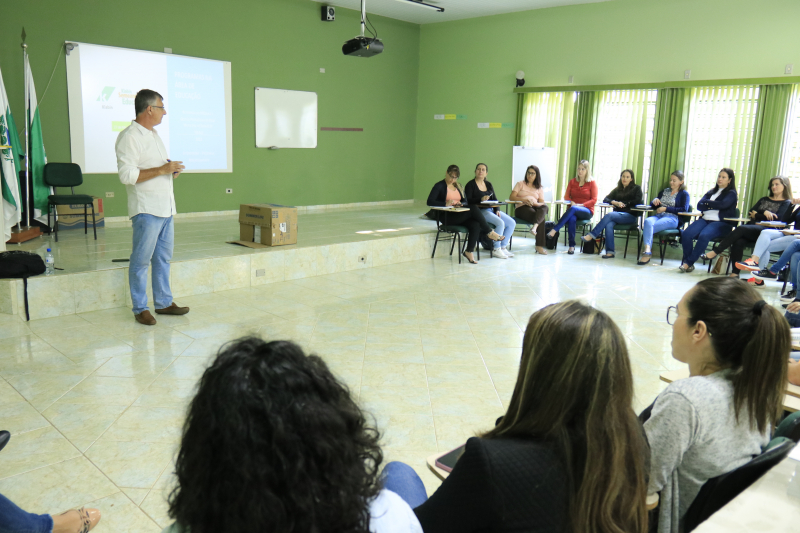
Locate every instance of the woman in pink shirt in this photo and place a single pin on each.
(582, 192)
(530, 192)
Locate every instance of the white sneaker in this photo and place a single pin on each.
(507, 251)
(499, 253)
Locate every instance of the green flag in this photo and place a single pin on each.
(10, 150)
(38, 159)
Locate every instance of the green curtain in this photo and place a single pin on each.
(584, 131)
(520, 119)
(768, 141)
(669, 138)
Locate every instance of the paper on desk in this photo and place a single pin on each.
(490, 202)
(795, 454)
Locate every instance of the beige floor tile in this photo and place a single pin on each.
(212, 329)
(147, 424)
(57, 487)
(156, 507)
(35, 449)
(394, 335)
(121, 515)
(103, 390)
(336, 334)
(47, 360)
(9, 395)
(465, 401)
(163, 341)
(393, 353)
(395, 400)
(190, 368)
(453, 354)
(454, 430)
(82, 423)
(167, 391)
(42, 389)
(407, 431)
(131, 464)
(134, 366)
(20, 417)
(393, 375)
(135, 495)
(445, 376)
(388, 320)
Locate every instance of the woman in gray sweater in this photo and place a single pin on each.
(716, 420)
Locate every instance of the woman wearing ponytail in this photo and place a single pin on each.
(716, 420)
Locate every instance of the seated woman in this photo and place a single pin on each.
(775, 207)
(480, 190)
(624, 198)
(582, 195)
(448, 192)
(717, 204)
(569, 454)
(533, 210)
(671, 201)
(274, 442)
(771, 273)
(770, 241)
(736, 347)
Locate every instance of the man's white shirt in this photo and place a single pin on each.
(137, 149)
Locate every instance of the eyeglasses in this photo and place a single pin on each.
(454, 176)
(531, 172)
(160, 107)
(672, 315)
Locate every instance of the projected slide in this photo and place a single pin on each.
(102, 82)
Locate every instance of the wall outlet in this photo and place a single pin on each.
(167, 50)
(362, 259)
(260, 272)
(571, 79)
(228, 191)
(109, 195)
(788, 69)
(322, 71)
(687, 74)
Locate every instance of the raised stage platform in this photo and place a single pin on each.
(329, 241)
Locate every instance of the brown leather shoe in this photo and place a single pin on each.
(145, 318)
(173, 309)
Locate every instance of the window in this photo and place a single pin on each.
(624, 137)
(790, 162)
(720, 134)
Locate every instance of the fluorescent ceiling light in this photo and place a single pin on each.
(417, 2)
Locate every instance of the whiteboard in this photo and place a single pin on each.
(544, 158)
(285, 119)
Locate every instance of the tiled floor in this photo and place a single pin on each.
(95, 401)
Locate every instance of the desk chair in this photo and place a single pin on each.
(670, 235)
(584, 226)
(67, 175)
(789, 427)
(454, 231)
(712, 242)
(718, 491)
(628, 229)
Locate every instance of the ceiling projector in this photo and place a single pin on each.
(361, 45)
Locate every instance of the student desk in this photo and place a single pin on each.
(791, 402)
(431, 460)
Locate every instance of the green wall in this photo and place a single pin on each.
(270, 43)
(468, 67)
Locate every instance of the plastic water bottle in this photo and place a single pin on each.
(49, 262)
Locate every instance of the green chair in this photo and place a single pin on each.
(712, 242)
(629, 229)
(670, 235)
(67, 175)
(789, 427)
(584, 226)
(454, 232)
(522, 225)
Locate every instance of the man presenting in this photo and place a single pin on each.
(147, 174)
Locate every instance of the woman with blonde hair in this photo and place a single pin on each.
(569, 454)
(582, 195)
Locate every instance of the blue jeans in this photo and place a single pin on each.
(570, 219)
(793, 264)
(153, 238)
(608, 223)
(15, 520)
(503, 225)
(655, 223)
(785, 257)
(403, 480)
(770, 240)
(704, 231)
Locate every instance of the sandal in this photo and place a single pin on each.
(705, 257)
(540, 250)
(533, 229)
(468, 259)
(607, 256)
(494, 236)
(571, 250)
(88, 518)
(649, 256)
(588, 237)
(686, 270)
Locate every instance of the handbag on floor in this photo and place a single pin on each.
(595, 246)
(550, 242)
(721, 266)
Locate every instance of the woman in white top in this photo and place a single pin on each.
(274, 442)
(533, 210)
(736, 347)
(717, 205)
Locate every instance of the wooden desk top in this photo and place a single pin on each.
(695, 214)
(453, 209)
(791, 401)
(740, 219)
(431, 460)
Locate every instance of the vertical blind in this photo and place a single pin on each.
(624, 137)
(720, 135)
(790, 163)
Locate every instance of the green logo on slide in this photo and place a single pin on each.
(106, 94)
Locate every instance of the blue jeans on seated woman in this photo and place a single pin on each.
(655, 223)
(570, 219)
(15, 520)
(608, 223)
(405, 482)
(503, 225)
(704, 231)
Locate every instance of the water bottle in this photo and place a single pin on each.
(49, 262)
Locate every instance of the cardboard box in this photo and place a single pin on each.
(267, 225)
(71, 216)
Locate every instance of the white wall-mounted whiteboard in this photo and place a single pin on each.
(544, 158)
(285, 119)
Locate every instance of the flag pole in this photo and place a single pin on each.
(27, 200)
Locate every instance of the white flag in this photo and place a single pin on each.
(10, 151)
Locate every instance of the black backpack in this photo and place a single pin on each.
(486, 242)
(19, 264)
(550, 242)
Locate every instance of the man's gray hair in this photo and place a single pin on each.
(144, 99)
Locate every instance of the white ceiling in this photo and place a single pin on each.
(453, 9)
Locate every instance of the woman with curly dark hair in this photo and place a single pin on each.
(273, 442)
